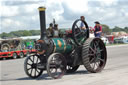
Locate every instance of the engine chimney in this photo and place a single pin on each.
(42, 22)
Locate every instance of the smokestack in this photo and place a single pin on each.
(42, 22)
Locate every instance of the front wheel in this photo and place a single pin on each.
(94, 55)
(31, 66)
(56, 65)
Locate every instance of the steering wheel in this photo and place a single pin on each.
(80, 35)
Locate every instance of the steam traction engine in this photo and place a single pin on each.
(63, 54)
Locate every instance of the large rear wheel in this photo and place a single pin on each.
(94, 55)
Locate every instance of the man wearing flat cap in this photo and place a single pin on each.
(97, 29)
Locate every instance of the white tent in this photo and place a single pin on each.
(31, 37)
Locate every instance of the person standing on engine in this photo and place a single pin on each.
(82, 26)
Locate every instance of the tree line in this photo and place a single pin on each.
(106, 30)
(20, 33)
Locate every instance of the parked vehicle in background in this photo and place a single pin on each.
(105, 40)
(16, 48)
(122, 39)
(110, 38)
(9, 44)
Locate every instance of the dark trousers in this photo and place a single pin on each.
(98, 35)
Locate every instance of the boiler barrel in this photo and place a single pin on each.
(61, 46)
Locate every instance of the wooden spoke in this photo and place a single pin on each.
(31, 71)
(101, 60)
(91, 54)
(31, 60)
(29, 64)
(92, 49)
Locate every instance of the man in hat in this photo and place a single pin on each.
(97, 29)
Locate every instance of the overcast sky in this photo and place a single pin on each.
(23, 14)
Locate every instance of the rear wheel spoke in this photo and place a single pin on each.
(92, 60)
(101, 50)
(95, 47)
(97, 64)
(97, 44)
(90, 54)
(101, 60)
(92, 49)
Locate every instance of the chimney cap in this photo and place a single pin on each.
(42, 8)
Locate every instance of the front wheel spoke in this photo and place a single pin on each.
(56, 71)
(69, 67)
(37, 71)
(29, 64)
(31, 71)
(31, 60)
(52, 66)
(37, 60)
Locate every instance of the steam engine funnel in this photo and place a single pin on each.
(42, 22)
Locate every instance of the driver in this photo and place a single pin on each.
(82, 26)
